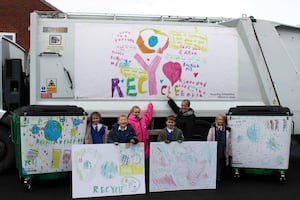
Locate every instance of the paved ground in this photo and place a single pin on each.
(248, 187)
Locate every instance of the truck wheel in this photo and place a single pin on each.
(6, 150)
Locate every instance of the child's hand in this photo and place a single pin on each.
(116, 143)
(132, 141)
(179, 141)
(167, 141)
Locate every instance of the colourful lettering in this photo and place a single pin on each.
(165, 89)
(140, 85)
(131, 89)
(151, 69)
(115, 85)
(95, 189)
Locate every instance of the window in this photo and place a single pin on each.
(11, 36)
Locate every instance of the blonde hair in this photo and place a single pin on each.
(122, 115)
(221, 116)
(132, 109)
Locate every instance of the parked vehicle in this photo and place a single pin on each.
(109, 63)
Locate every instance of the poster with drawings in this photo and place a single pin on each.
(107, 170)
(46, 142)
(146, 61)
(260, 141)
(182, 166)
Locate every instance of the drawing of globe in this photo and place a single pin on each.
(109, 169)
(52, 130)
(253, 133)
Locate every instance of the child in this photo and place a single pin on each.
(122, 132)
(221, 133)
(96, 132)
(140, 124)
(170, 132)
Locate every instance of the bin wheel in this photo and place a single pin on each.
(27, 183)
(236, 174)
(282, 177)
(282, 180)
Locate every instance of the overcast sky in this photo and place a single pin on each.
(283, 11)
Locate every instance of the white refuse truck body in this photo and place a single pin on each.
(108, 63)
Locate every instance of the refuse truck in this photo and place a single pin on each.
(110, 62)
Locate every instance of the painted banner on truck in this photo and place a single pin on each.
(133, 61)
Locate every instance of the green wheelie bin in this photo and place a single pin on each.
(43, 136)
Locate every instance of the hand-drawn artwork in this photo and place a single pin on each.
(253, 133)
(107, 170)
(52, 130)
(56, 157)
(148, 61)
(152, 40)
(66, 156)
(131, 184)
(46, 142)
(86, 164)
(260, 141)
(131, 161)
(182, 166)
(172, 71)
(151, 69)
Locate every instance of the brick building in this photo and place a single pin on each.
(15, 18)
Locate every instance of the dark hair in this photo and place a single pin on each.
(188, 103)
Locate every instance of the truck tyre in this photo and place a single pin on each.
(6, 150)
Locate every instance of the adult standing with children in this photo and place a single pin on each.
(185, 116)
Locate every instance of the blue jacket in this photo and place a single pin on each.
(113, 135)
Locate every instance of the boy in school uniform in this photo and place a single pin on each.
(170, 132)
(122, 132)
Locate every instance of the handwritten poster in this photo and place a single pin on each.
(107, 170)
(46, 142)
(135, 61)
(182, 166)
(260, 141)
